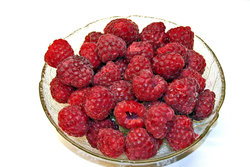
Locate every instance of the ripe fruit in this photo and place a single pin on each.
(76, 98)
(140, 49)
(73, 121)
(57, 52)
(196, 61)
(93, 37)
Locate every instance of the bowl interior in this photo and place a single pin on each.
(214, 81)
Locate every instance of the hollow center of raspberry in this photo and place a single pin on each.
(132, 115)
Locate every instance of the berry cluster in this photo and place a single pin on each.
(148, 82)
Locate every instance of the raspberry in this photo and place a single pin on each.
(205, 105)
(98, 102)
(73, 121)
(196, 61)
(168, 65)
(159, 143)
(122, 65)
(109, 47)
(140, 145)
(123, 28)
(173, 47)
(59, 91)
(107, 75)
(156, 119)
(154, 33)
(141, 49)
(181, 133)
(148, 104)
(75, 71)
(93, 37)
(94, 128)
(122, 90)
(130, 114)
(194, 74)
(182, 35)
(57, 52)
(148, 87)
(111, 142)
(76, 98)
(181, 95)
(88, 50)
(137, 63)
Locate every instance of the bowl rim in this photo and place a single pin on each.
(177, 154)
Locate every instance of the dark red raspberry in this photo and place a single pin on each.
(122, 90)
(181, 133)
(174, 47)
(186, 73)
(141, 49)
(57, 52)
(205, 105)
(76, 98)
(130, 114)
(122, 65)
(94, 127)
(107, 75)
(123, 28)
(156, 119)
(137, 63)
(140, 145)
(109, 47)
(154, 33)
(75, 71)
(150, 103)
(98, 102)
(181, 95)
(168, 65)
(59, 91)
(148, 87)
(73, 121)
(196, 61)
(88, 50)
(182, 35)
(111, 142)
(93, 37)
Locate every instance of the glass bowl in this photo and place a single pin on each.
(213, 74)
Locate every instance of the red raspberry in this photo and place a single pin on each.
(182, 35)
(137, 63)
(76, 98)
(98, 102)
(168, 65)
(88, 50)
(196, 61)
(148, 87)
(73, 121)
(156, 119)
(174, 47)
(111, 142)
(75, 71)
(59, 91)
(122, 90)
(148, 104)
(122, 65)
(186, 73)
(181, 133)
(181, 95)
(141, 49)
(123, 28)
(94, 128)
(109, 47)
(57, 52)
(140, 145)
(154, 33)
(107, 75)
(205, 105)
(130, 114)
(93, 37)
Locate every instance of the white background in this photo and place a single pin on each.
(27, 28)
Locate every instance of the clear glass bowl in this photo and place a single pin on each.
(213, 74)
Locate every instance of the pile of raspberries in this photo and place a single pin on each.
(149, 83)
